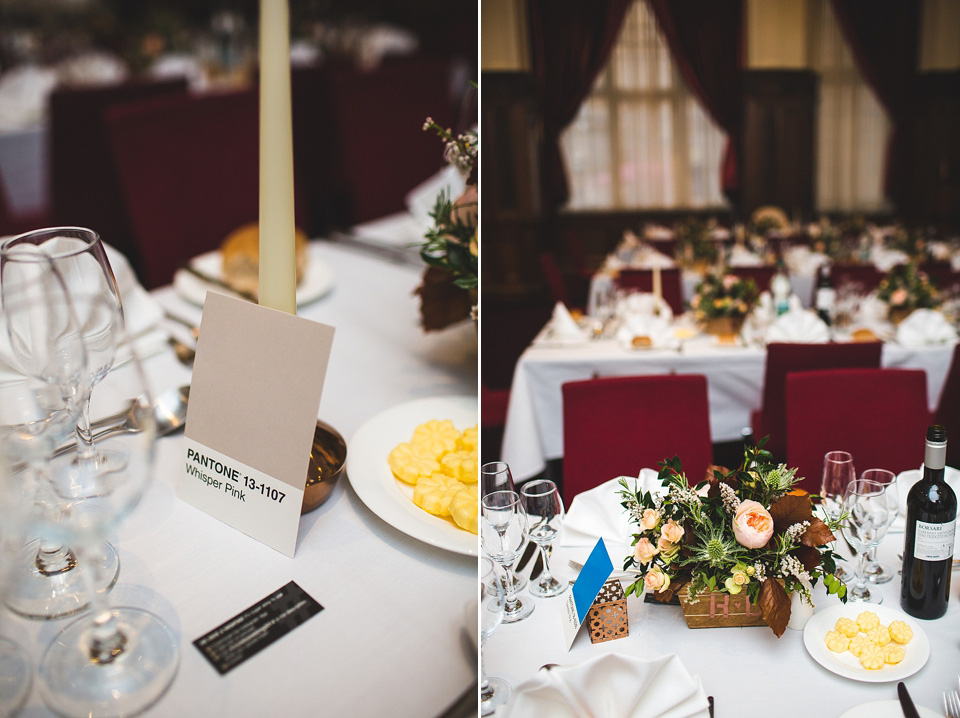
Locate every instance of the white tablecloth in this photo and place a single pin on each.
(534, 426)
(749, 671)
(391, 639)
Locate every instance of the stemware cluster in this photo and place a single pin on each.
(870, 504)
(510, 519)
(62, 494)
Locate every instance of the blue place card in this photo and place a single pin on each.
(593, 575)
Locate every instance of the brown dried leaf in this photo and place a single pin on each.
(809, 557)
(789, 510)
(442, 303)
(817, 534)
(775, 606)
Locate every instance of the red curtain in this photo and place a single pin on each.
(706, 40)
(884, 37)
(570, 42)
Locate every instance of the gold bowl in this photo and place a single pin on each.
(327, 458)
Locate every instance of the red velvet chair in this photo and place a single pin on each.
(761, 276)
(865, 276)
(615, 426)
(878, 415)
(85, 186)
(782, 358)
(642, 280)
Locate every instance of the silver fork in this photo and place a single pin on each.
(951, 704)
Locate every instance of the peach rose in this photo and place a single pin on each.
(656, 580)
(644, 551)
(664, 544)
(752, 524)
(649, 520)
(672, 532)
(898, 297)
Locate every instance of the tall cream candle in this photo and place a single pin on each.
(657, 282)
(278, 271)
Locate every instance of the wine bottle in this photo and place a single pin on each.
(825, 298)
(930, 527)
(781, 289)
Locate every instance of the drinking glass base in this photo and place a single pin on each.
(865, 596)
(549, 587)
(521, 609)
(72, 684)
(35, 594)
(15, 678)
(879, 574)
(496, 693)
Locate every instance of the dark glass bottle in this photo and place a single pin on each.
(928, 542)
(825, 295)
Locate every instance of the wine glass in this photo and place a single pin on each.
(875, 571)
(493, 691)
(496, 476)
(544, 508)
(111, 661)
(502, 533)
(36, 325)
(865, 526)
(838, 472)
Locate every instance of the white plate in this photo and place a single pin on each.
(392, 500)
(846, 664)
(317, 281)
(885, 709)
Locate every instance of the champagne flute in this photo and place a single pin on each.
(496, 476)
(502, 534)
(493, 691)
(544, 508)
(37, 328)
(838, 472)
(875, 571)
(865, 526)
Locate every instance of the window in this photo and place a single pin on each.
(641, 139)
(852, 126)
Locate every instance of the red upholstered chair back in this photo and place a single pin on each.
(866, 276)
(878, 415)
(642, 280)
(783, 358)
(948, 409)
(190, 172)
(761, 276)
(615, 426)
(85, 187)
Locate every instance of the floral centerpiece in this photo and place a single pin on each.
(765, 220)
(694, 247)
(723, 298)
(745, 530)
(912, 242)
(448, 292)
(906, 288)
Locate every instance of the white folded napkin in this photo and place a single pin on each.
(24, 91)
(925, 326)
(563, 327)
(643, 304)
(740, 256)
(612, 686)
(798, 326)
(886, 259)
(94, 67)
(801, 260)
(597, 513)
(657, 329)
(657, 231)
(647, 257)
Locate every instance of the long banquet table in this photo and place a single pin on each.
(748, 671)
(534, 427)
(393, 637)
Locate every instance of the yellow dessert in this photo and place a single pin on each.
(469, 439)
(867, 620)
(434, 493)
(435, 447)
(847, 626)
(464, 508)
(893, 653)
(873, 643)
(900, 632)
(879, 635)
(439, 429)
(836, 641)
(461, 465)
(408, 463)
(860, 643)
(871, 657)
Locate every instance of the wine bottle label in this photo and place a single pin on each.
(934, 542)
(826, 298)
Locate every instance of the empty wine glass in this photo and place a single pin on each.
(496, 476)
(544, 508)
(865, 526)
(876, 572)
(502, 533)
(38, 324)
(493, 691)
(112, 661)
(838, 472)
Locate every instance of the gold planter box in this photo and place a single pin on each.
(718, 609)
(726, 329)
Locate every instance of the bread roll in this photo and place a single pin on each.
(240, 252)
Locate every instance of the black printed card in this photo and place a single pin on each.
(250, 631)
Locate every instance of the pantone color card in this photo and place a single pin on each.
(593, 575)
(254, 398)
(250, 631)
